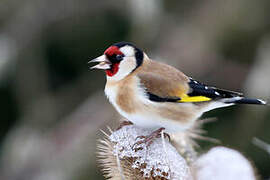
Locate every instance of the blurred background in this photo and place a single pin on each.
(52, 105)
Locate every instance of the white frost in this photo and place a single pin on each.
(154, 159)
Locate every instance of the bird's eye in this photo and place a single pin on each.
(119, 57)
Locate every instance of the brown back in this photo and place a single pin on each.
(162, 80)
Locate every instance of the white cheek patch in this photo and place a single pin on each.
(125, 68)
(127, 50)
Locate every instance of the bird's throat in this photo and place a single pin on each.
(113, 70)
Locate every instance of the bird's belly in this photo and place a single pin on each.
(153, 118)
(154, 122)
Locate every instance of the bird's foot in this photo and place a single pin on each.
(124, 123)
(148, 140)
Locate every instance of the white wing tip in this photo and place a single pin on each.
(262, 102)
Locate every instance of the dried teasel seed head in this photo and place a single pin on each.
(120, 160)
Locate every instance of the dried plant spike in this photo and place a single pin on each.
(150, 163)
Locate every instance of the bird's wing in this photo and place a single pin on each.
(164, 83)
(199, 89)
(161, 89)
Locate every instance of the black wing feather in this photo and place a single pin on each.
(156, 98)
(200, 89)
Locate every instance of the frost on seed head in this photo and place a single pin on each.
(121, 160)
(159, 160)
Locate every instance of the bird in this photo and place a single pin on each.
(155, 95)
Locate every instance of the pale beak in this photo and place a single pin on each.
(104, 63)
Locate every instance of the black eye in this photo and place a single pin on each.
(119, 57)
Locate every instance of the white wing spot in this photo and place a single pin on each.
(216, 93)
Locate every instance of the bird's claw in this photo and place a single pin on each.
(124, 123)
(148, 140)
(140, 137)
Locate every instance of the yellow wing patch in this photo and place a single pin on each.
(186, 98)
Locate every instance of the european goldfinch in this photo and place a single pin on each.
(155, 95)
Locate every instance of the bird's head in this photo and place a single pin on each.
(119, 60)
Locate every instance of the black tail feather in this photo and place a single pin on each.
(247, 101)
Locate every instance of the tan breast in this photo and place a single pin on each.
(125, 97)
